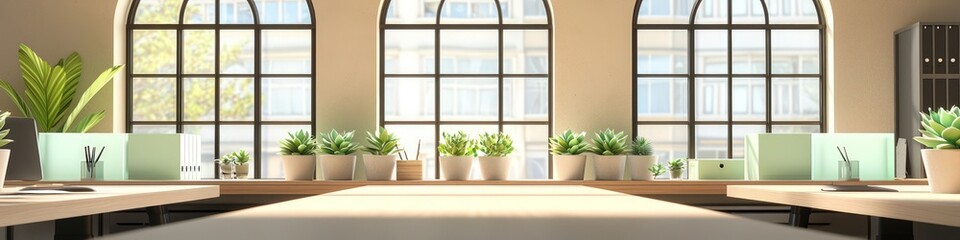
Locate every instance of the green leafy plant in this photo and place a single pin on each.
(227, 159)
(941, 129)
(568, 143)
(240, 157)
(641, 146)
(49, 92)
(298, 143)
(676, 164)
(457, 144)
(4, 132)
(608, 142)
(382, 143)
(657, 170)
(336, 143)
(496, 144)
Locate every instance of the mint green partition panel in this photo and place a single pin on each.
(61, 154)
(774, 156)
(875, 151)
(716, 169)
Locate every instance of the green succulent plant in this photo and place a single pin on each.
(382, 143)
(336, 143)
(568, 143)
(240, 157)
(676, 164)
(298, 143)
(608, 142)
(641, 146)
(941, 129)
(458, 144)
(657, 170)
(4, 132)
(495, 145)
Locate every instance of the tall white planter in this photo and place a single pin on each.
(456, 167)
(640, 166)
(4, 159)
(942, 167)
(569, 167)
(495, 168)
(299, 167)
(609, 167)
(380, 168)
(337, 167)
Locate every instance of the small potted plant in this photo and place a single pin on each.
(227, 167)
(568, 161)
(941, 133)
(495, 164)
(241, 160)
(642, 159)
(381, 162)
(657, 169)
(336, 163)
(609, 163)
(299, 155)
(4, 153)
(676, 168)
(457, 152)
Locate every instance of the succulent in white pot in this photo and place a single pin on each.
(568, 159)
(4, 153)
(241, 160)
(495, 162)
(299, 155)
(227, 167)
(642, 159)
(457, 152)
(941, 133)
(609, 163)
(381, 163)
(336, 161)
(676, 167)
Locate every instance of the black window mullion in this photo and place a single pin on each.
(499, 67)
(216, 83)
(730, 80)
(437, 89)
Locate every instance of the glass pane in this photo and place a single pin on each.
(235, 12)
(158, 12)
(236, 137)
(474, 132)
(525, 51)
(409, 99)
(408, 51)
(665, 11)
(207, 141)
(286, 51)
(796, 99)
(469, 12)
(154, 51)
(669, 141)
(283, 12)
(662, 51)
(740, 132)
(154, 99)
(524, 11)
(154, 129)
(525, 99)
(711, 51)
(712, 12)
(711, 141)
(749, 52)
(749, 99)
(236, 51)
(199, 48)
(469, 99)
(469, 51)
(409, 136)
(270, 148)
(792, 12)
(796, 128)
(412, 12)
(200, 12)
(748, 12)
(199, 99)
(662, 99)
(530, 151)
(795, 51)
(286, 99)
(712, 99)
(236, 99)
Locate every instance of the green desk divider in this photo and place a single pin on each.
(716, 169)
(163, 157)
(772, 156)
(875, 151)
(127, 156)
(61, 154)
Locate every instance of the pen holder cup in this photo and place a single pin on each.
(91, 171)
(848, 170)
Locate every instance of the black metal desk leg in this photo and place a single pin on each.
(894, 229)
(74, 228)
(158, 215)
(799, 216)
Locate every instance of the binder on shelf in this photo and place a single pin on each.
(940, 49)
(926, 48)
(953, 49)
(164, 157)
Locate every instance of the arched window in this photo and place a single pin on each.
(709, 72)
(494, 73)
(239, 73)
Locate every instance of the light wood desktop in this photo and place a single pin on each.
(474, 212)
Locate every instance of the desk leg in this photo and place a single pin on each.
(799, 217)
(894, 229)
(74, 228)
(158, 215)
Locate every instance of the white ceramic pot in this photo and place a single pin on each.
(495, 168)
(942, 167)
(299, 167)
(227, 171)
(380, 168)
(676, 174)
(640, 166)
(609, 167)
(242, 171)
(337, 167)
(456, 167)
(4, 159)
(569, 167)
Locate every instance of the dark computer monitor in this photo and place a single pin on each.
(24, 161)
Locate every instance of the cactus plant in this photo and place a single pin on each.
(941, 129)
(4, 132)
(382, 143)
(568, 143)
(457, 144)
(608, 142)
(641, 146)
(337, 143)
(495, 145)
(298, 143)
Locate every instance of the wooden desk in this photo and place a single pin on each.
(474, 212)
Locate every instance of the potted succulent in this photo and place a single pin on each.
(457, 152)
(941, 133)
(4, 153)
(227, 168)
(657, 169)
(609, 162)
(495, 164)
(676, 168)
(381, 162)
(336, 163)
(299, 155)
(568, 161)
(642, 159)
(241, 160)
